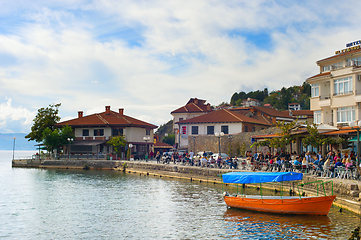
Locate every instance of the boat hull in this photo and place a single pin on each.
(318, 205)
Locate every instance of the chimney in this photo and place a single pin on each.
(196, 101)
(208, 107)
(107, 109)
(80, 114)
(121, 111)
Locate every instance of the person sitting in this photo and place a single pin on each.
(219, 162)
(320, 164)
(211, 161)
(235, 162)
(229, 162)
(338, 163)
(348, 163)
(297, 164)
(204, 161)
(327, 164)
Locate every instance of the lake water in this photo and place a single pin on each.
(78, 204)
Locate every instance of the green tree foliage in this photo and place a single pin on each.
(46, 118)
(165, 128)
(284, 137)
(314, 138)
(170, 139)
(237, 98)
(117, 143)
(58, 137)
(230, 149)
(278, 99)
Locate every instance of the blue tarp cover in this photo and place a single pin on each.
(260, 177)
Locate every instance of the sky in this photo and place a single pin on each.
(150, 57)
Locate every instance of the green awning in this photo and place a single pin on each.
(354, 139)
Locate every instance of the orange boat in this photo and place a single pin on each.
(314, 205)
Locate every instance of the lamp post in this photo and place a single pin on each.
(14, 148)
(146, 139)
(356, 125)
(130, 149)
(70, 141)
(219, 135)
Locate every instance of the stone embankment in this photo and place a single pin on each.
(347, 191)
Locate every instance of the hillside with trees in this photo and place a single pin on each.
(166, 129)
(278, 99)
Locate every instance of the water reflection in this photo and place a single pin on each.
(273, 226)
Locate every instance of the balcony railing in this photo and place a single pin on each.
(358, 92)
(353, 63)
(342, 93)
(325, 97)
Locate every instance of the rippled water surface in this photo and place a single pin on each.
(68, 204)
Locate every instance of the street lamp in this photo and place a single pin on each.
(70, 140)
(353, 126)
(219, 135)
(146, 139)
(14, 148)
(130, 149)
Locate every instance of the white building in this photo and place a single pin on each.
(226, 121)
(93, 131)
(294, 106)
(336, 90)
(195, 107)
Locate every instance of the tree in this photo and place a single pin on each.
(314, 138)
(46, 118)
(57, 137)
(117, 143)
(170, 139)
(284, 137)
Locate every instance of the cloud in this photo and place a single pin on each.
(150, 57)
(14, 119)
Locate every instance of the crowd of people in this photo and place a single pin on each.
(280, 161)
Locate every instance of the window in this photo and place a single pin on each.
(357, 61)
(117, 132)
(194, 130)
(337, 65)
(345, 114)
(85, 132)
(343, 86)
(317, 117)
(98, 132)
(224, 129)
(147, 132)
(246, 128)
(315, 90)
(253, 129)
(210, 130)
(326, 68)
(180, 119)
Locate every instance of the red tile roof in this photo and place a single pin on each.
(159, 144)
(109, 118)
(320, 75)
(299, 112)
(194, 105)
(222, 116)
(271, 112)
(341, 54)
(302, 112)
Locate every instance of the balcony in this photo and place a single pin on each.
(343, 93)
(325, 100)
(358, 96)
